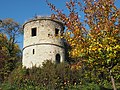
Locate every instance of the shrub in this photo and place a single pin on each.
(51, 77)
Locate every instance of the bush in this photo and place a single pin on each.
(51, 77)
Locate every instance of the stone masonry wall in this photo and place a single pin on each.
(45, 45)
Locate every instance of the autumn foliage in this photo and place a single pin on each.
(10, 52)
(92, 33)
(95, 38)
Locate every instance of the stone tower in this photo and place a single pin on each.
(42, 41)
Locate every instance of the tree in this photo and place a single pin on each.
(12, 29)
(104, 44)
(99, 46)
(10, 52)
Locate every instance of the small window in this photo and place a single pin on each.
(33, 51)
(57, 58)
(56, 32)
(33, 32)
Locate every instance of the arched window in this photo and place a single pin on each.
(57, 58)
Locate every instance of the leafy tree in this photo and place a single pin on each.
(95, 41)
(7, 62)
(12, 29)
(104, 43)
(10, 52)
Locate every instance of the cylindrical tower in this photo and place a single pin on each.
(42, 41)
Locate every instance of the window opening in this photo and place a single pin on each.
(33, 51)
(56, 31)
(57, 58)
(34, 30)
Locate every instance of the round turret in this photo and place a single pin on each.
(42, 41)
